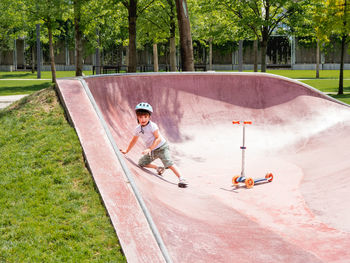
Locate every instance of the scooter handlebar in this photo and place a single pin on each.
(243, 122)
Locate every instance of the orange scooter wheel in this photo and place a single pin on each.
(269, 177)
(234, 180)
(249, 182)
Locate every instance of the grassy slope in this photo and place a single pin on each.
(50, 210)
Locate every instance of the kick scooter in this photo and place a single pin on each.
(248, 181)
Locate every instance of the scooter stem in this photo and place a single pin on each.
(243, 146)
(243, 152)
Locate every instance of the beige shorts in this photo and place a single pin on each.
(163, 153)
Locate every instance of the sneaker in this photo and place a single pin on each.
(160, 170)
(182, 183)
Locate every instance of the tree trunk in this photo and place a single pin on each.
(33, 59)
(265, 35)
(127, 57)
(24, 55)
(14, 58)
(240, 56)
(78, 39)
(52, 55)
(67, 52)
(263, 50)
(98, 54)
(98, 61)
(172, 54)
(155, 57)
(255, 55)
(38, 52)
(317, 58)
(341, 73)
(186, 48)
(343, 41)
(210, 54)
(132, 36)
(172, 36)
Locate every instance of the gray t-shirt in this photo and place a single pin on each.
(146, 133)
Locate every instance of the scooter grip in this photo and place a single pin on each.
(236, 122)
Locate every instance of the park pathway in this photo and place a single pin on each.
(7, 100)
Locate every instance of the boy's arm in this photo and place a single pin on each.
(131, 144)
(154, 144)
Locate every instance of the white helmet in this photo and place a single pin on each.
(144, 106)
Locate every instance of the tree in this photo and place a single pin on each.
(158, 25)
(12, 23)
(135, 9)
(96, 22)
(186, 47)
(331, 19)
(310, 27)
(131, 5)
(262, 17)
(48, 12)
(172, 32)
(78, 35)
(112, 28)
(317, 18)
(205, 26)
(339, 23)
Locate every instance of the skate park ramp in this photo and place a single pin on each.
(297, 133)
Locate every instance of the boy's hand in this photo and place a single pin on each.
(123, 151)
(147, 151)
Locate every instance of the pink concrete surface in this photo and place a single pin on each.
(298, 134)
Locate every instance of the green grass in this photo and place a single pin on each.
(327, 85)
(305, 74)
(50, 209)
(294, 74)
(14, 87)
(344, 98)
(9, 86)
(309, 74)
(44, 74)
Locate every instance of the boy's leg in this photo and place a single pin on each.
(164, 155)
(151, 166)
(145, 161)
(182, 182)
(175, 170)
(160, 170)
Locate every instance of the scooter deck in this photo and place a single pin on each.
(250, 182)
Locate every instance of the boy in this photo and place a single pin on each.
(157, 146)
